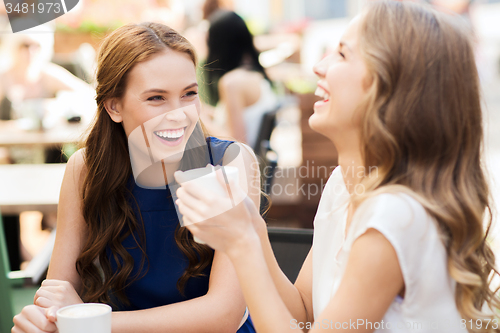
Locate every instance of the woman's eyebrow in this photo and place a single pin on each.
(155, 90)
(192, 85)
(162, 91)
(342, 44)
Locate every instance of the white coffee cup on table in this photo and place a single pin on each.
(84, 318)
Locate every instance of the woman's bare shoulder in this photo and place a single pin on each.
(241, 84)
(76, 167)
(241, 77)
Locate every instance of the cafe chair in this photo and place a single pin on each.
(18, 288)
(290, 247)
(265, 154)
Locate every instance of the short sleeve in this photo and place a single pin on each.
(405, 224)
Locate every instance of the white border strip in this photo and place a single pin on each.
(64, 6)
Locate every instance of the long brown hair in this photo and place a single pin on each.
(422, 129)
(106, 198)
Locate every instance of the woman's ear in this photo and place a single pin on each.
(113, 107)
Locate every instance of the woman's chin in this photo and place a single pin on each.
(314, 123)
(173, 158)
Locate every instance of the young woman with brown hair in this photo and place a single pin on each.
(399, 241)
(119, 242)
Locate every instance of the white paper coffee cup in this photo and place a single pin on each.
(207, 178)
(84, 318)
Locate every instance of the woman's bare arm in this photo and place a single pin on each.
(298, 297)
(371, 281)
(71, 231)
(58, 78)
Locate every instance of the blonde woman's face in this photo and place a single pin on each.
(342, 85)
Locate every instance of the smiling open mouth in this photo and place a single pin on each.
(320, 92)
(170, 135)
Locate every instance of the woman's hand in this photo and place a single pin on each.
(56, 293)
(212, 219)
(35, 319)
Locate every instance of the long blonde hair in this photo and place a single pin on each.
(422, 129)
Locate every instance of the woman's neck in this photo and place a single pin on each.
(158, 174)
(352, 168)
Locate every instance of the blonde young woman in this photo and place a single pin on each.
(399, 243)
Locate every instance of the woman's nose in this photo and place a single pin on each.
(320, 67)
(176, 115)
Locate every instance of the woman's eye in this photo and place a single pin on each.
(192, 93)
(155, 98)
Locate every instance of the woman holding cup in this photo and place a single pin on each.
(399, 243)
(118, 235)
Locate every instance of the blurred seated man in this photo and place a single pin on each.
(27, 72)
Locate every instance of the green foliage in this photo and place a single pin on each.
(88, 26)
(301, 86)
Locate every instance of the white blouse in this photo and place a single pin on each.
(429, 302)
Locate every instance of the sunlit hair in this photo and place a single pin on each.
(106, 196)
(422, 129)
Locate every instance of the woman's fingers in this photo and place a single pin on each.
(48, 296)
(190, 215)
(43, 302)
(51, 313)
(198, 210)
(194, 190)
(47, 292)
(32, 319)
(25, 326)
(190, 201)
(56, 293)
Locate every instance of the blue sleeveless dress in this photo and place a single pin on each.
(167, 263)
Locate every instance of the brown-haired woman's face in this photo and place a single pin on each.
(342, 85)
(162, 90)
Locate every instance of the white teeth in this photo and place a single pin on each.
(320, 92)
(171, 134)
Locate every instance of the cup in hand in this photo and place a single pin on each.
(207, 178)
(84, 318)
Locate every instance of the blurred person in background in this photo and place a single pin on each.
(236, 81)
(198, 22)
(211, 7)
(27, 72)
